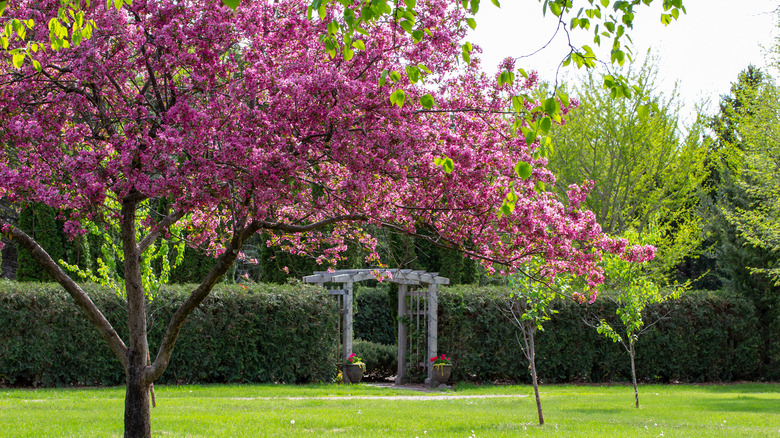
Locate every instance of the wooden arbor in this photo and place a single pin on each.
(417, 298)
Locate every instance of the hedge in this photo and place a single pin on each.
(701, 337)
(271, 333)
(259, 334)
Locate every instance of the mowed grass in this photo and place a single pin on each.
(743, 410)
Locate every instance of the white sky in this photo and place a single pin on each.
(703, 51)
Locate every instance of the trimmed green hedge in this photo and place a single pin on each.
(702, 337)
(265, 333)
(271, 333)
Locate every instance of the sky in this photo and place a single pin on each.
(702, 52)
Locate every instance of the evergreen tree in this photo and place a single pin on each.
(40, 222)
(741, 212)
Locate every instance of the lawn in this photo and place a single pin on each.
(749, 410)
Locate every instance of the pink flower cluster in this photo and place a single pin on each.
(241, 118)
(639, 253)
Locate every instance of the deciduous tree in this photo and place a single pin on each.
(241, 123)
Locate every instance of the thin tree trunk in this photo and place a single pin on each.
(633, 372)
(532, 360)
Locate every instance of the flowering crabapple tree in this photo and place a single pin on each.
(241, 123)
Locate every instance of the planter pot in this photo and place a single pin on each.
(354, 373)
(441, 373)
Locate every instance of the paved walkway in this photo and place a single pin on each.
(427, 394)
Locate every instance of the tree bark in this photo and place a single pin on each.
(631, 352)
(138, 419)
(532, 360)
(137, 409)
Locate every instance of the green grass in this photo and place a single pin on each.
(744, 410)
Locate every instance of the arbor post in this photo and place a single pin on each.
(433, 332)
(348, 326)
(401, 377)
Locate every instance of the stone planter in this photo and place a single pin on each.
(354, 373)
(441, 373)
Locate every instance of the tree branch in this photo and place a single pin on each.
(162, 225)
(224, 262)
(313, 226)
(104, 327)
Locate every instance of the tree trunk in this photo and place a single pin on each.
(532, 360)
(631, 353)
(137, 413)
(138, 421)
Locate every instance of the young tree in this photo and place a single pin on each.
(635, 288)
(529, 308)
(240, 123)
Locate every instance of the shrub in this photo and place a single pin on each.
(381, 360)
(265, 333)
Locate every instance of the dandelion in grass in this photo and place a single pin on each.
(292, 422)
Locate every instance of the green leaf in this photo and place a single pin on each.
(466, 51)
(410, 3)
(495, 2)
(522, 73)
(643, 111)
(383, 77)
(3, 4)
(359, 44)
(18, 60)
(395, 76)
(37, 65)
(445, 163)
(555, 8)
(119, 3)
(413, 73)
(545, 125)
(523, 169)
(530, 137)
(551, 106)
(348, 54)
(474, 6)
(472, 23)
(517, 104)
(427, 101)
(397, 98)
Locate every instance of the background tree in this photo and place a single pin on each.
(741, 207)
(240, 124)
(643, 168)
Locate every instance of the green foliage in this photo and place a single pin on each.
(270, 333)
(642, 166)
(157, 260)
(381, 360)
(374, 319)
(742, 207)
(633, 290)
(41, 223)
(265, 333)
(193, 268)
(704, 338)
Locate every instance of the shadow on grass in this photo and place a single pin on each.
(742, 404)
(739, 388)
